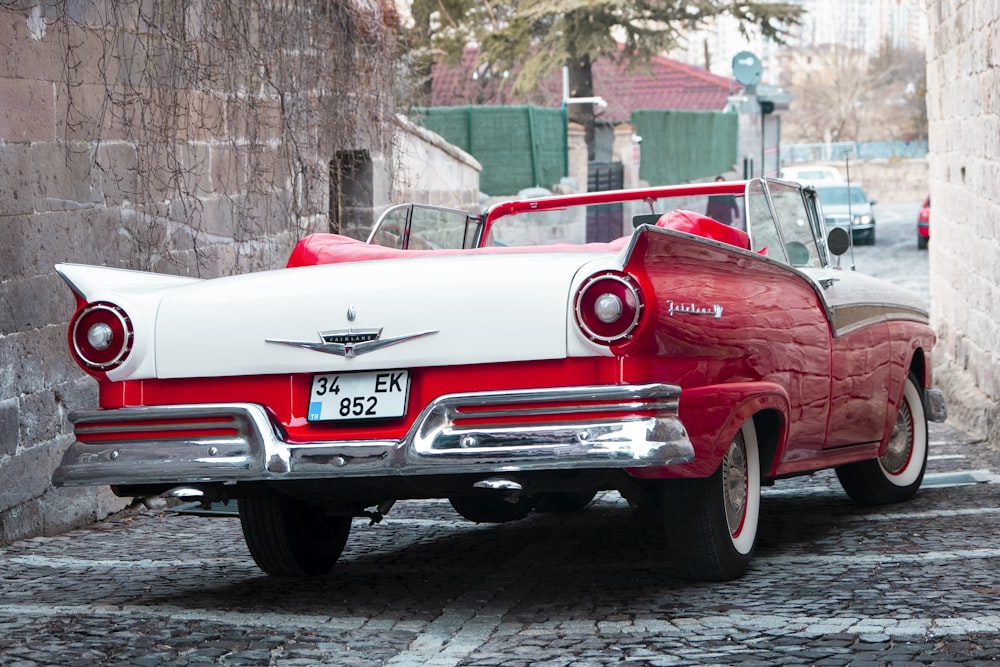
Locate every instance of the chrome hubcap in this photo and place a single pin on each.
(734, 483)
(897, 454)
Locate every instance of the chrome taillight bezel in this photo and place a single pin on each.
(120, 344)
(626, 289)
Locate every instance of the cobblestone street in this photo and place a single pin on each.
(609, 333)
(832, 584)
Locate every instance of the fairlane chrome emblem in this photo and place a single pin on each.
(691, 309)
(350, 336)
(350, 342)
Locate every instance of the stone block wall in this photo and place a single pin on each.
(49, 212)
(429, 170)
(204, 181)
(963, 108)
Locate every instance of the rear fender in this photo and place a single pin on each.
(897, 385)
(912, 342)
(138, 293)
(712, 416)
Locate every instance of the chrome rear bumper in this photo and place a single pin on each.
(540, 429)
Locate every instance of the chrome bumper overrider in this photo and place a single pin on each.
(539, 429)
(935, 406)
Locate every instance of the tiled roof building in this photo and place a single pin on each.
(661, 84)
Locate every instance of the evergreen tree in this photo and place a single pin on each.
(532, 37)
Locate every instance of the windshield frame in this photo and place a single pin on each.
(644, 207)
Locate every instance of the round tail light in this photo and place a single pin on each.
(608, 307)
(101, 336)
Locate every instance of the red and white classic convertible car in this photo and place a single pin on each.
(503, 362)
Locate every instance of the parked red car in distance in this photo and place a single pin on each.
(924, 224)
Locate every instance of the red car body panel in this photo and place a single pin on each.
(286, 397)
(846, 389)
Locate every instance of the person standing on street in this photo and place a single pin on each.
(723, 208)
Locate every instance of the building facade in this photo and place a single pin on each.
(860, 25)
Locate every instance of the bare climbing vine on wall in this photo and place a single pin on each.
(212, 124)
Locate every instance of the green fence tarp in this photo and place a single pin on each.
(683, 146)
(519, 146)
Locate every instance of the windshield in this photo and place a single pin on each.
(775, 223)
(419, 227)
(837, 195)
(599, 223)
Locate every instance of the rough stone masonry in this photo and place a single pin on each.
(112, 153)
(963, 109)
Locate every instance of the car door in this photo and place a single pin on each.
(781, 230)
(860, 355)
(861, 358)
(859, 366)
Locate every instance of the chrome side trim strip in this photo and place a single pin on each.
(457, 433)
(848, 318)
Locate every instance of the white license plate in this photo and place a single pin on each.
(374, 395)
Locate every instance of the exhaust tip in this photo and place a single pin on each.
(498, 484)
(185, 492)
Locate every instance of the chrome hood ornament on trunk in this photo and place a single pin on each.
(350, 342)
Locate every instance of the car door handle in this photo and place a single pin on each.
(827, 283)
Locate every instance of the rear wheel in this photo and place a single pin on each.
(292, 538)
(896, 475)
(711, 523)
(494, 508)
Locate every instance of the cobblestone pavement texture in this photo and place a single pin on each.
(832, 584)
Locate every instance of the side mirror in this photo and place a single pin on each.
(838, 241)
(798, 253)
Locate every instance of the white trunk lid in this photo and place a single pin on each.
(484, 309)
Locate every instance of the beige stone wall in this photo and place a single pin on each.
(887, 181)
(429, 170)
(963, 107)
(239, 177)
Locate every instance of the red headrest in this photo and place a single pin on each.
(704, 226)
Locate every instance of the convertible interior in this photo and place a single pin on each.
(335, 248)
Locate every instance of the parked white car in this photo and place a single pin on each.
(812, 174)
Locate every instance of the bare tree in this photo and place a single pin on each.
(840, 94)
